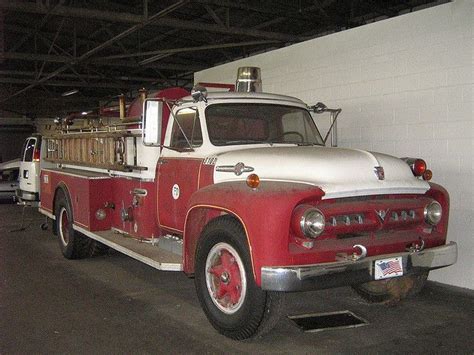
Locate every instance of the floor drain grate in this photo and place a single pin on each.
(323, 321)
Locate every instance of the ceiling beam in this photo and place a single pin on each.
(123, 17)
(84, 76)
(98, 61)
(105, 85)
(255, 6)
(192, 49)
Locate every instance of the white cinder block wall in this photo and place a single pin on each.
(406, 88)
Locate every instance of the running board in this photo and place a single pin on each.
(150, 254)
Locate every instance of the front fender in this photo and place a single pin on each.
(265, 214)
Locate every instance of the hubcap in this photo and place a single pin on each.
(64, 226)
(225, 278)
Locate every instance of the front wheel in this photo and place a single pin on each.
(225, 284)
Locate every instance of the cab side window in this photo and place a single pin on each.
(188, 119)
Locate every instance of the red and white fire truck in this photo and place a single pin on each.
(238, 190)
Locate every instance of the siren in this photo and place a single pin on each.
(249, 79)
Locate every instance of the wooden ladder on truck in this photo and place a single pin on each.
(98, 149)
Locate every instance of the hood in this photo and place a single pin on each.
(339, 172)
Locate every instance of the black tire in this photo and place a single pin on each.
(392, 290)
(73, 245)
(97, 248)
(254, 311)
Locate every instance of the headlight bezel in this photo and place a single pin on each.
(433, 213)
(306, 226)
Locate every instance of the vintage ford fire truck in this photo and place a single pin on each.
(238, 190)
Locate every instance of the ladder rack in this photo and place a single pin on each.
(111, 150)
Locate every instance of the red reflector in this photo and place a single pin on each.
(419, 167)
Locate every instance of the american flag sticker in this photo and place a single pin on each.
(387, 268)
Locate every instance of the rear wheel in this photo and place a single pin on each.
(73, 244)
(392, 290)
(225, 284)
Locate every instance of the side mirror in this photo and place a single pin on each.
(152, 116)
(334, 112)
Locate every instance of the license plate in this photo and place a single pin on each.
(387, 268)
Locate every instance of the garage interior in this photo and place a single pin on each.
(402, 72)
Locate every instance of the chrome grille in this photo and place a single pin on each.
(345, 220)
(361, 218)
(402, 215)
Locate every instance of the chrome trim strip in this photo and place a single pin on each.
(79, 174)
(340, 273)
(238, 169)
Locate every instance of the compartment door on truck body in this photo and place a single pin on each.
(178, 169)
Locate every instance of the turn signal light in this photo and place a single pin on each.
(427, 175)
(419, 167)
(253, 181)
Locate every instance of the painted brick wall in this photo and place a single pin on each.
(406, 88)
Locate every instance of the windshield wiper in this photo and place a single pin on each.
(243, 141)
(300, 144)
(307, 144)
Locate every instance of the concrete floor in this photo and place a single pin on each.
(113, 304)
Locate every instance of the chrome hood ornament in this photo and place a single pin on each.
(379, 172)
(382, 214)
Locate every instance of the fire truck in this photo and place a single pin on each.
(239, 191)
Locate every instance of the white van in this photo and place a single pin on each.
(30, 170)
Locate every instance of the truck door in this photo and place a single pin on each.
(178, 170)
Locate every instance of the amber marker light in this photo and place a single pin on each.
(427, 175)
(253, 181)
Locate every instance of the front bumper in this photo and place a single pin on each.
(348, 272)
(23, 195)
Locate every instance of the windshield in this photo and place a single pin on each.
(244, 123)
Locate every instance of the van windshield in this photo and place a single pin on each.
(249, 123)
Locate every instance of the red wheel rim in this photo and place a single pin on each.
(225, 278)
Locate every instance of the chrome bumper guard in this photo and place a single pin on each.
(343, 273)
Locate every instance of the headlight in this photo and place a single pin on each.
(312, 223)
(433, 213)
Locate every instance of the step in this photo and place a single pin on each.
(159, 255)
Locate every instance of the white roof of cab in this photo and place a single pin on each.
(247, 95)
